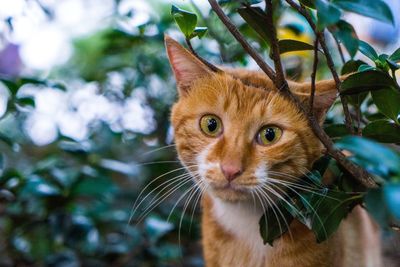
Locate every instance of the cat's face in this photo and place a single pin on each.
(235, 134)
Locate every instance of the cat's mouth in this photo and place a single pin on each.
(231, 191)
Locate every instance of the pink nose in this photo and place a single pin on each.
(231, 171)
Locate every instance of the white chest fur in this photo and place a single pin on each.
(241, 220)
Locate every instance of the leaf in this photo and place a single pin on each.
(336, 130)
(368, 50)
(351, 66)
(376, 206)
(186, 20)
(25, 102)
(365, 67)
(395, 56)
(388, 102)
(327, 13)
(329, 210)
(365, 153)
(40, 187)
(287, 45)
(199, 32)
(376, 9)
(346, 34)
(274, 224)
(366, 81)
(256, 18)
(383, 131)
(392, 198)
(308, 3)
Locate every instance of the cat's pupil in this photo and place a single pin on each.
(270, 134)
(212, 124)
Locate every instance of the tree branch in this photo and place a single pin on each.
(205, 62)
(239, 37)
(313, 76)
(329, 61)
(358, 173)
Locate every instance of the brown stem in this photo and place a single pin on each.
(205, 62)
(329, 61)
(358, 173)
(313, 76)
(239, 37)
(339, 49)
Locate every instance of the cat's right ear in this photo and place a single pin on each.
(186, 67)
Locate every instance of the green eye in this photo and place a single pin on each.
(211, 125)
(268, 135)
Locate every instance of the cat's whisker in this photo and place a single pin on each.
(159, 148)
(293, 178)
(194, 189)
(154, 204)
(203, 187)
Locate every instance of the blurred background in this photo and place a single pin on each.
(85, 95)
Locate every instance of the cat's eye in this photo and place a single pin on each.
(268, 135)
(211, 125)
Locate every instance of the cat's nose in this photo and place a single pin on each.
(231, 171)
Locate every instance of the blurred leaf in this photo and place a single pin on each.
(376, 206)
(93, 187)
(328, 14)
(336, 130)
(38, 186)
(157, 228)
(256, 18)
(308, 3)
(287, 45)
(376, 9)
(388, 102)
(365, 153)
(365, 67)
(346, 34)
(199, 32)
(351, 66)
(186, 20)
(392, 197)
(395, 56)
(366, 81)
(273, 225)
(383, 131)
(25, 101)
(368, 50)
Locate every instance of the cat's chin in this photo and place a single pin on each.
(231, 194)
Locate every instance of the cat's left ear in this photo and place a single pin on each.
(186, 67)
(325, 96)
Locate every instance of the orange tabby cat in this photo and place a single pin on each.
(242, 141)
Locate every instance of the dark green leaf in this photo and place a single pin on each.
(366, 81)
(256, 18)
(351, 66)
(327, 13)
(368, 50)
(346, 34)
(274, 224)
(372, 156)
(365, 67)
(287, 45)
(186, 20)
(308, 3)
(395, 56)
(336, 130)
(392, 197)
(388, 102)
(199, 32)
(376, 206)
(383, 131)
(25, 102)
(376, 9)
(392, 64)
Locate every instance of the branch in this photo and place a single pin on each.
(313, 76)
(339, 49)
(357, 172)
(205, 62)
(329, 60)
(239, 37)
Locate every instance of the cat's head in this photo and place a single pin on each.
(235, 133)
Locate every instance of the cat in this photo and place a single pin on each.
(241, 140)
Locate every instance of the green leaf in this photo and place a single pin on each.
(186, 20)
(287, 45)
(365, 67)
(308, 3)
(376, 206)
(336, 130)
(366, 81)
(327, 13)
(376, 9)
(199, 32)
(329, 210)
(346, 34)
(274, 224)
(388, 102)
(256, 19)
(368, 50)
(351, 66)
(374, 157)
(395, 56)
(25, 102)
(392, 198)
(383, 131)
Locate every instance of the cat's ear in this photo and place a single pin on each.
(325, 96)
(186, 67)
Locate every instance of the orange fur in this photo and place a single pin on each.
(245, 101)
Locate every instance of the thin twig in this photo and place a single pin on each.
(313, 76)
(205, 62)
(339, 47)
(239, 37)
(357, 172)
(329, 61)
